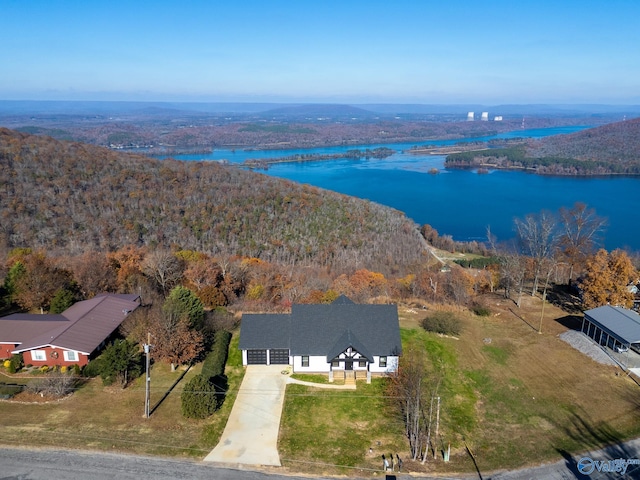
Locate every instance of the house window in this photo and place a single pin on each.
(305, 360)
(335, 363)
(70, 356)
(383, 361)
(39, 355)
(362, 363)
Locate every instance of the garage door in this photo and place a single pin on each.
(279, 356)
(256, 357)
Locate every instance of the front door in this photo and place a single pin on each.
(348, 364)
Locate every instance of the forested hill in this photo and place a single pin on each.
(605, 150)
(70, 197)
(615, 142)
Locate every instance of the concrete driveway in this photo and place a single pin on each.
(251, 434)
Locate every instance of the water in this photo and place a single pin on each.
(462, 203)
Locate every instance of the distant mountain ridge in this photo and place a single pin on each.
(120, 107)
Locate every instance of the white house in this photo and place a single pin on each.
(342, 339)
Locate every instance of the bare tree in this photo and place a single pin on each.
(164, 268)
(538, 239)
(409, 389)
(580, 235)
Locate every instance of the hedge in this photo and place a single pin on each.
(213, 365)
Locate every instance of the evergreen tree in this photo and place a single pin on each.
(199, 398)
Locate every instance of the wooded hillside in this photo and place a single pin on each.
(605, 150)
(69, 197)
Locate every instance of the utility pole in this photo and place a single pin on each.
(437, 426)
(147, 348)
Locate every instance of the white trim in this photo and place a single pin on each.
(67, 354)
(39, 353)
(45, 346)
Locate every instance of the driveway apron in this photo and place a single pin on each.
(251, 434)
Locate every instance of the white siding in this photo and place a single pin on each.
(392, 365)
(316, 364)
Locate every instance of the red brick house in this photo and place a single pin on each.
(70, 338)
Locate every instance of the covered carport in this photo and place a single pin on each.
(614, 327)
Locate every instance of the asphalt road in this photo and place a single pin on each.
(23, 464)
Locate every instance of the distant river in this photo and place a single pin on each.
(461, 203)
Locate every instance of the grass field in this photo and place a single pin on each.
(516, 397)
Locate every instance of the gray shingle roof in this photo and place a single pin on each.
(617, 321)
(326, 330)
(264, 331)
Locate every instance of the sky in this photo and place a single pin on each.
(330, 51)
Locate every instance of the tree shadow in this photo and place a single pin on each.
(166, 394)
(599, 442)
(564, 297)
(221, 385)
(534, 327)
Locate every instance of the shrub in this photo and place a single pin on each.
(93, 368)
(15, 363)
(445, 323)
(63, 369)
(7, 364)
(199, 398)
(480, 310)
(53, 385)
(44, 369)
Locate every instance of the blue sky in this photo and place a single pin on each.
(347, 51)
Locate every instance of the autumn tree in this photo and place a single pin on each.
(127, 264)
(37, 285)
(581, 227)
(173, 339)
(95, 273)
(607, 276)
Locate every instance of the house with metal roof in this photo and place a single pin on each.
(615, 327)
(70, 338)
(342, 339)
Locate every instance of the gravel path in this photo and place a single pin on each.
(581, 342)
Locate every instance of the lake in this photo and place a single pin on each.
(461, 203)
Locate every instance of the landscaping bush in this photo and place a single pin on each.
(93, 368)
(15, 363)
(216, 360)
(199, 398)
(445, 323)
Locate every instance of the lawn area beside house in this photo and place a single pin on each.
(515, 396)
(112, 419)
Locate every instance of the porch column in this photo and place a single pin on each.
(331, 373)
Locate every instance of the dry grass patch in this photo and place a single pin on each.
(109, 418)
